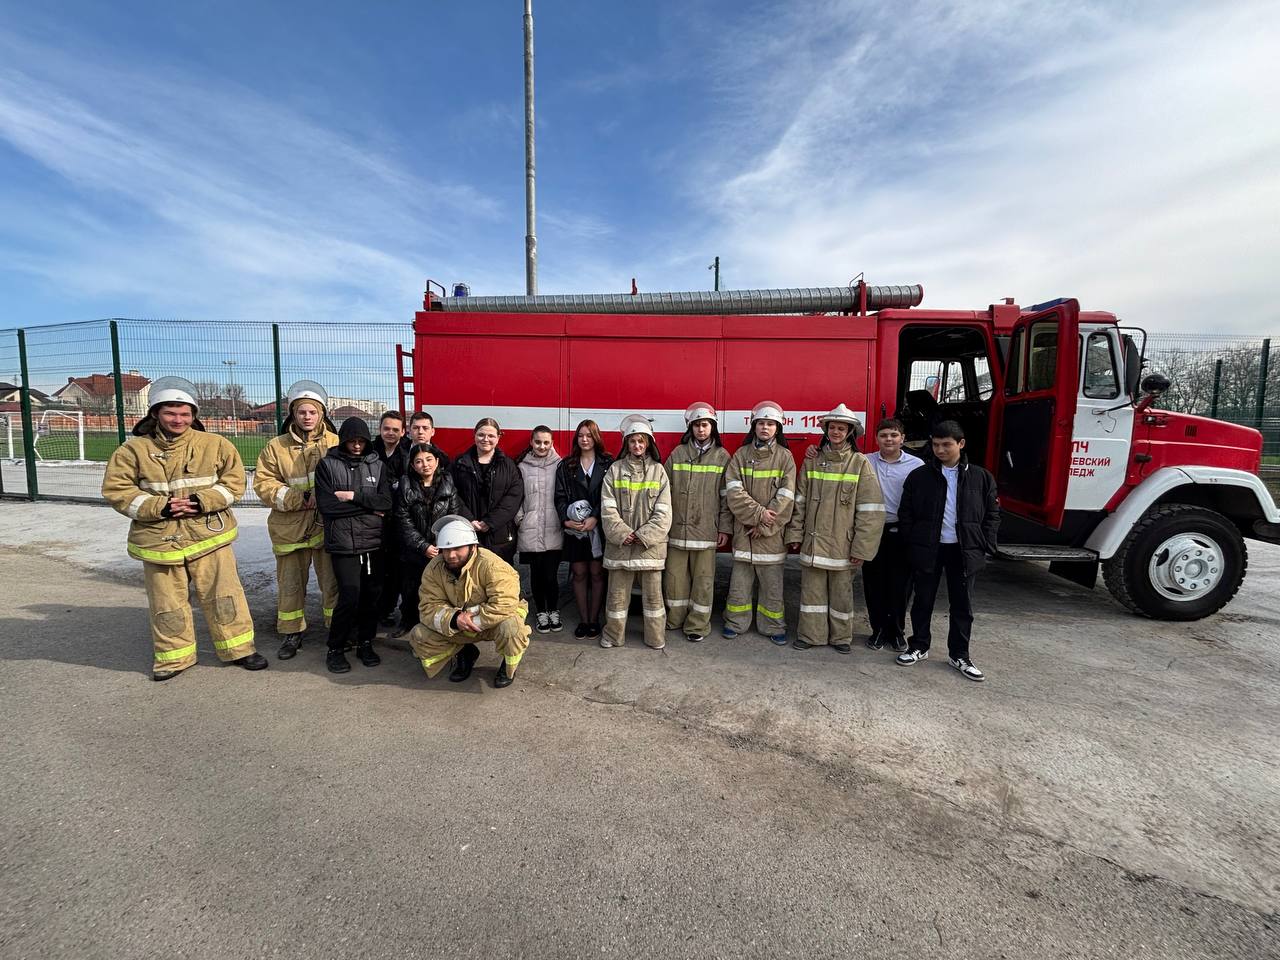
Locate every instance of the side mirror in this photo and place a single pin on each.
(1155, 384)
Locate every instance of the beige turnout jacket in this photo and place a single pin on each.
(839, 511)
(285, 471)
(145, 472)
(759, 479)
(487, 587)
(699, 510)
(635, 498)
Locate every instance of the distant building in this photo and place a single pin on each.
(365, 407)
(11, 398)
(97, 392)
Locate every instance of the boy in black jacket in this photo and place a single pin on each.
(353, 494)
(949, 519)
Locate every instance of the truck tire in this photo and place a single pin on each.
(1179, 562)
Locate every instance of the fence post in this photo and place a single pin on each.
(1262, 380)
(1217, 387)
(115, 372)
(275, 350)
(28, 434)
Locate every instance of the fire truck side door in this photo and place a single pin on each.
(1038, 408)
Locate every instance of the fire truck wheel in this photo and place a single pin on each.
(1179, 562)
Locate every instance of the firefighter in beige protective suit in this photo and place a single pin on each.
(760, 487)
(700, 522)
(635, 514)
(468, 595)
(177, 484)
(837, 523)
(285, 479)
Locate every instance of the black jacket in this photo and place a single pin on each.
(417, 510)
(924, 495)
(352, 526)
(505, 496)
(573, 485)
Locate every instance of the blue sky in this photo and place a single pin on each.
(318, 161)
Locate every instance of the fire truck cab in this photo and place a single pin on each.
(1053, 401)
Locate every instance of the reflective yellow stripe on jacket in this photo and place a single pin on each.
(176, 556)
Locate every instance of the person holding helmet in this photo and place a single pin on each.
(700, 522)
(177, 484)
(635, 514)
(760, 484)
(468, 594)
(284, 480)
(836, 526)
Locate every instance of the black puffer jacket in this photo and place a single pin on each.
(924, 496)
(573, 485)
(417, 510)
(503, 500)
(353, 526)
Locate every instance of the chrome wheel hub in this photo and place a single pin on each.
(1186, 566)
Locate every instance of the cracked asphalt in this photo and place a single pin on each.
(1111, 791)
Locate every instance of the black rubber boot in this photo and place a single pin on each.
(365, 654)
(164, 674)
(337, 662)
(254, 661)
(289, 646)
(463, 661)
(502, 678)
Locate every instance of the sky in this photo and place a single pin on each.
(319, 161)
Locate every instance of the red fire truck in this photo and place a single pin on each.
(1052, 399)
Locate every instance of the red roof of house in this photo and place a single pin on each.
(104, 384)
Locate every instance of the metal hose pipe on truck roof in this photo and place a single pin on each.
(786, 300)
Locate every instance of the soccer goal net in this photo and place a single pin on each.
(60, 435)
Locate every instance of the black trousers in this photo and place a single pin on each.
(391, 577)
(410, 585)
(355, 618)
(544, 579)
(886, 584)
(950, 561)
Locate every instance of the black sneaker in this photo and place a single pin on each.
(553, 618)
(337, 662)
(900, 643)
(542, 623)
(800, 644)
(875, 641)
(842, 647)
(582, 631)
(966, 667)
(390, 620)
(912, 656)
(593, 630)
(289, 646)
(367, 656)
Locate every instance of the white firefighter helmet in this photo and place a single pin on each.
(635, 423)
(768, 410)
(842, 414)
(453, 531)
(173, 390)
(699, 411)
(308, 390)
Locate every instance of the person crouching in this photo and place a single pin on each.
(469, 594)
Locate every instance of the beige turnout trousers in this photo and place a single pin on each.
(770, 618)
(434, 650)
(221, 596)
(291, 582)
(688, 583)
(618, 599)
(826, 606)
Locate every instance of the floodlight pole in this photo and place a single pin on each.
(530, 231)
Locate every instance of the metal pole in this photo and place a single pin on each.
(115, 372)
(275, 349)
(530, 230)
(1262, 380)
(716, 267)
(231, 391)
(28, 434)
(1217, 388)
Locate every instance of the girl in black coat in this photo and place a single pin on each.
(491, 489)
(425, 495)
(580, 477)
(353, 494)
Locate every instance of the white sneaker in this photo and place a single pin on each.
(912, 656)
(966, 667)
(543, 623)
